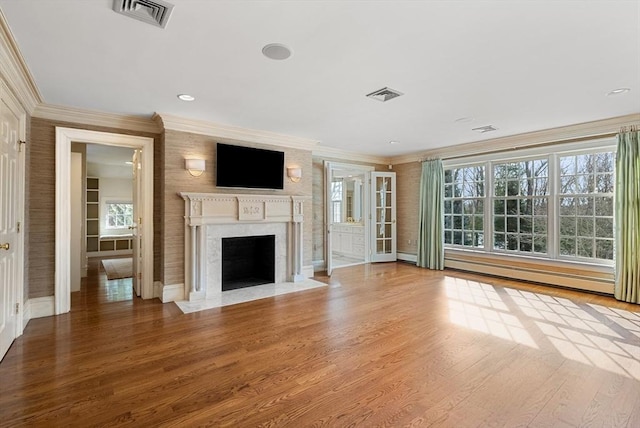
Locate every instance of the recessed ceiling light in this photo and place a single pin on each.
(128, 162)
(619, 91)
(186, 97)
(276, 51)
(393, 142)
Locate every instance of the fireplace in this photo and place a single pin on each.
(211, 219)
(248, 261)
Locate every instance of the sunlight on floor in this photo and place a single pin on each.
(606, 338)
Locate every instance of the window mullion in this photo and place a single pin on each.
(553, 218)
(488, 207)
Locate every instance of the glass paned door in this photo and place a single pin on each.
(383, 212)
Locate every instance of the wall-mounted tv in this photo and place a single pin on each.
(248, 167)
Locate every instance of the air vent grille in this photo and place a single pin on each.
(483, 129)
(384, 94)
(154, 12)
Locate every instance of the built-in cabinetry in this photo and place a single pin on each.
(101, 245)
(93, 214)
(348, 239)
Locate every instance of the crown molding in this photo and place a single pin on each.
(14, 70)
(598, 128)
(96, 118)
(333, 153)
(175, 123)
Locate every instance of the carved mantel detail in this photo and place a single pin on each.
(203, 210)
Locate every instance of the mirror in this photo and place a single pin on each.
(347, 197)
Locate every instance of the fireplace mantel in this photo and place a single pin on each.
(203, 210)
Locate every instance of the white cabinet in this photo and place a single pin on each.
(348, 239)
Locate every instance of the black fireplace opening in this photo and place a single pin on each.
(248, 261)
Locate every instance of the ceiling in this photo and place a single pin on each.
(519, 66)
(109, 161)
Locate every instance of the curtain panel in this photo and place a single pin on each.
(627, 216)
(431, 216)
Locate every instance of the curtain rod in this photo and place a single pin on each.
(530, 146)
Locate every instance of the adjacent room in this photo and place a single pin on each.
(321, 213)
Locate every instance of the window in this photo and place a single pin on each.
(543, 203)
(585, 199)
(119, 215)
(520, 201)
(464, 206)
(336, 200)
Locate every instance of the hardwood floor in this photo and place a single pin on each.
(383, 345)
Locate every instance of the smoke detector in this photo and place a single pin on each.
(384, 94)
(483, 129)
(154, 12)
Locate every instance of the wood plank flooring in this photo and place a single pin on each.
(384, 345)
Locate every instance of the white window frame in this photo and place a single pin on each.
(105, 219)
(553, 152)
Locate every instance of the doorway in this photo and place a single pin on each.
(104, 245)
(142, 200)
(347, 214)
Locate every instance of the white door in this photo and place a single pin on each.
(383, 213)
(137, 228)
(328, 174)
(10, 239)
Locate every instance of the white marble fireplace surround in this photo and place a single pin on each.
(210, 217)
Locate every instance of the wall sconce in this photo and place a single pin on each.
(294, 173)
(195, 166)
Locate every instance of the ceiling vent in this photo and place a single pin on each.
(156, 12)
(384, 94)
(483, 129)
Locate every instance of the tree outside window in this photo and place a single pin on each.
(119, 215)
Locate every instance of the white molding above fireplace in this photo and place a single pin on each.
(244, 213)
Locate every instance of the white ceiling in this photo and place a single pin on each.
(519, 65)
(109, 161)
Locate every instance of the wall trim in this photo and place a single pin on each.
(14, 70)
(38, 307)
(157, 289)
(172, 293)
(406, 257)
(96, 118)
(333, 153)
(598, 128)
(228, 132)
(319, 265)
(586, 277)
(307, 271)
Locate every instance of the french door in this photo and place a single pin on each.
(383, 213)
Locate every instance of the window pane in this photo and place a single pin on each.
(604, 249)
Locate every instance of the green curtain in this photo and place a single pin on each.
(627, 286)
(431, 216)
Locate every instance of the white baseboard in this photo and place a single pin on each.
(319, 265)
(307, 271)
(157, 289)
(38, 307)
(172, 293)
(406, 257)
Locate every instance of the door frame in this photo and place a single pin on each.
(64, 137)
(329, 166)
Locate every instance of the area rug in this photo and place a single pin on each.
(118, 268)
(248, 294)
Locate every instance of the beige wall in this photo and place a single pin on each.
(40, 204)
(180, 145)
(407, 200)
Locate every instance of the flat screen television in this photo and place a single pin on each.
(248, 167)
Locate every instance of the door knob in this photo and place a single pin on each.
(4, 246)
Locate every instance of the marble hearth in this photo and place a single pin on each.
(210, 217)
